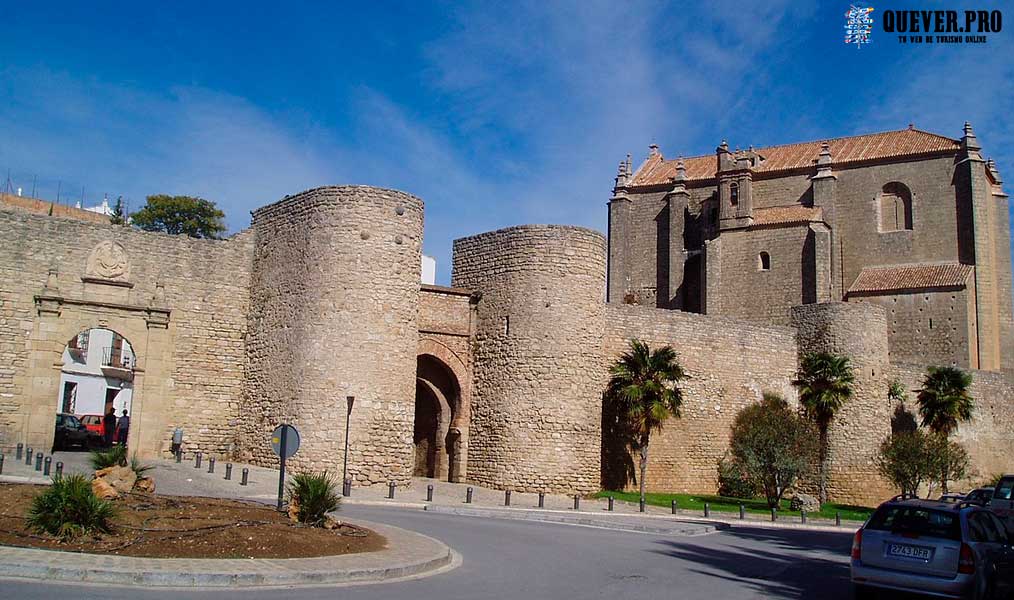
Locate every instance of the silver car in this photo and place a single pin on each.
(939, 549)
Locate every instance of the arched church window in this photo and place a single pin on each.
(764, 262)
(734, 193)
(894, 207)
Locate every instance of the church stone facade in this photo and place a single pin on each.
(742, 261)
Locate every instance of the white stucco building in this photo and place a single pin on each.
(98, 371)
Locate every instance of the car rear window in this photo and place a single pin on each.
(1003, 491)
(916, 520)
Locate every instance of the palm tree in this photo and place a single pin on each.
(643, 386)
(944, 402)
(825, 383)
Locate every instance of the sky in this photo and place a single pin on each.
(495, 114)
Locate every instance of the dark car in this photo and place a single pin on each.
(980, 496)
(70, 431)
(947, 550)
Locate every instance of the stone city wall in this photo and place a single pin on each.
(188, 334)
(537, 381)
(334, 313)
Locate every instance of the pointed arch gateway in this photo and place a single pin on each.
(441, 421)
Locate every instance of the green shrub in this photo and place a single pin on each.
(734, 481)
(905, 461)
(138, 468)
(115, 456)
(314, 495)
(69, 508)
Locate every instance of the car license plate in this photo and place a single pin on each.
(906, 551)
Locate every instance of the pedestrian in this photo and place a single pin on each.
(109, 427)
(121, 428)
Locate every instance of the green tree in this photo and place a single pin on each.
(905, 460)
(774, 445)
(119, 216)
(944, 401)
(644, 390)
(949, 460)
(176, 215)
(825, 383)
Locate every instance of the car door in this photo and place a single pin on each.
(1004, 556)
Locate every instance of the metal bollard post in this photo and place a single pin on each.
(28, 456)
(1, 464)
(707, 509)
(774, 515)
(38, 461)
(577, 502)
(211, 465)
(674, 507)
(837, 519)
(742, 511)
(542, 499)
(21, 449)
(347, 488)
(197, 460)
(429, 493)
(59, 469)
(228, 471)
(610, 504)
(507, 498)
(802, 516)
(640, 505)
(468, 496)
(390, 490)
(246, 474)
(46, 465)
(179, 456)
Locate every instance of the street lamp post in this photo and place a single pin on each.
(348, 418)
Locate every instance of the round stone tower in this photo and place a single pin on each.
(858, 331)
(333, 313)
(537, 385)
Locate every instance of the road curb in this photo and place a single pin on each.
(409, 555)
(680, 527)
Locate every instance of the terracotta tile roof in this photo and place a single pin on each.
(784, 215)
(910, 277)
(870, 146)
(42, 207)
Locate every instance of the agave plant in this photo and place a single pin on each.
(113, 457)
(69, 508)
(314, 495)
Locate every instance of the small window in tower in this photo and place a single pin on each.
(734, 193)
(764, 262)
(506, 325)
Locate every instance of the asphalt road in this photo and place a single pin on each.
(519, 559)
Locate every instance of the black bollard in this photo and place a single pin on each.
(610, 504)
(390, 490)
(347, 488)
(179, 456)
(46, 464)
(674, 507)
(802, 516)
(640, 505)
(429, 493)
(774, 515)
(742, 511)
(468, 496)
(21, 449)
(28, 456)
(837, 519)
(59, 469)
(1, 464)
(577, 502)
(211, 465)
(707, 510)
(246, 474)
(38, 461)
(542, 499)
(228, 471)
(197, 460)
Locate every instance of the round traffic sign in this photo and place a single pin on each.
(291, 437)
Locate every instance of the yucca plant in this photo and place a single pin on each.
(314, 495)
(138, 468)
(69, 508)
(113, 457)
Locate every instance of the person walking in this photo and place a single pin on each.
(121, 428)
(109, 427)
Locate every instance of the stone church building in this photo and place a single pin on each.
(892, 248)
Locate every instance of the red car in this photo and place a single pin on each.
(93, 423)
